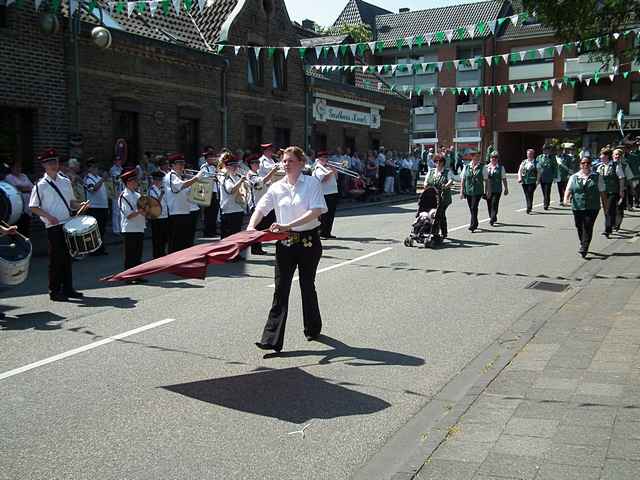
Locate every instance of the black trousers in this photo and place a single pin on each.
(195, 216)
(546, 194)
(493, 204)
(473, 201)
(326, 219)
(584, 220)
(443, 223)
(611, 212)
(230, 223)
(180, 232)
(306, 260)
(529, 189)
(24, 225)
(60, 273)
(621, 207)
(101, 215)
(264, 224)
(159, 236)
(133, 244)
(562, 186)
(211, 217)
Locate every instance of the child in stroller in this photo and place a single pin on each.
(425, 229)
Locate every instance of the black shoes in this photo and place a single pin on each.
(73, 294)
(57, 297)
(311, 338)
(606, 234)
(258, 252)
(266, 346)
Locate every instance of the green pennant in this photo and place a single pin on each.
(399, 43)
(302, 52)
(625, 75)
(546, 85)
(220, 48)
(439, 37)
(504, 89)
(324, 52)
(188, 4)
(549, 51)
(416, 67)
(418, 91)
(120, 6)
(596, 77)
(452, 91)
(166, 5)
(379, 46)
(481, 27)
(140, 6)
(419, 41)
(572, 82)
(271, 52)
(523, 17)
(343, 50)
(93, 4)
(531, 55)
(460, 33)
(361, 48)
(514, 57)
(501, 21)
(393, 87)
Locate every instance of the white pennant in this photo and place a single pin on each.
(472, 62)
(512, 88)
(393, 69)
(492, 26)
(318, 52)
(539, 83)
(526, 85)
(372, 46)
(409, 42)
(514, 19)
(505, 58)
(471, 30)
(256, 52)
(380, 68)
(236, 49)
(431, 90)
(553, 82)
(425, 66)
(456, 63)
(439, 65)
(580, 76)
(364, 68)
(176, 6)
(449, 35)
(201, 5)
(443, 91)
(488, 60)
(428, 38)
(286, 52)
(541, 52)
(611, 77)
(334, 68)
(73, 6)
(616, 35)
(153, 6)
(598, 42)
(354, 48)
(130, 7)
(559, 85)
(410, 94)
(523, 54)
(533, 88)
(335, 49)
(559, 49)
(588, 81)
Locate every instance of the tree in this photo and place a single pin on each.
(585, 19)
(359, 32)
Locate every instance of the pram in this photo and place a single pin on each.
(425, 229)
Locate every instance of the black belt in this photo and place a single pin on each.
(305, 238)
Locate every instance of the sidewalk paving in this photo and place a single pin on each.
(567, 406)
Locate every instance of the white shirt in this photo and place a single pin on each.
(258, 188)
(98, 198)
(128, 203)
(266, 165)
(331, 185)
(381, 159)
(435, 173)
(177, 194)
(291, 202)
(156, 192)
(21, 181)
(212, 171)
(45, 197)
(228, 202)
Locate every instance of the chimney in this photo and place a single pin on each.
(404, 10)
(309, 24)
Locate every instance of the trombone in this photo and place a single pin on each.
(340, 168)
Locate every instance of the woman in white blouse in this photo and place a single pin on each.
(298, 202)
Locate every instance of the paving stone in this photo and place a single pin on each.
(512, 383)
(620, 470)
(491, 415)
(628, 414)
(602, 377)
(553, 471)
(523, 446)
(447, 470)
(625, 449)
(544, 410)
(482, 476)
(569, 361)
(596, 400)
(626, 430)
(541, 348)
(547, 382)
(614, 367)
(477, 432)
(578, 455)
(566, 373)
(524, 468)
(581, 435)
(527, 365)
(603, 389)
(474, 452)
(548, 394)
(597, 416)
(532, 427)
(610, 356)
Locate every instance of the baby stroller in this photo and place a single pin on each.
(425, 229)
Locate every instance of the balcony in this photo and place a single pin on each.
(468, 107)
(469, 78)
(634, 109)
(424, 119)
(540, 113)
(583, 65)
(530, 71)
(467, 119)
(588, 111)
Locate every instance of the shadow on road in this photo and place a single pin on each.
(35, 320)
(291, 394)
(457, 243)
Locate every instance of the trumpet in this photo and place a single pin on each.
(340, 168)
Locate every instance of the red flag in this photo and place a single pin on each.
(192, 262)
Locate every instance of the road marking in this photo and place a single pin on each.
(343, 264)
(75, 351)
(468, 225)
(535, 206)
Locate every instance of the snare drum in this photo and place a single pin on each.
(15, 257)
(11, 205)
(202, 191)
(82, 235)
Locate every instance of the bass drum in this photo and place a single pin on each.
(15, 257)
(10, 203)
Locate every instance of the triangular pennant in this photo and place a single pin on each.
(335, 49)
(271, 52)
(201, 5)
(400, 43)
(533, 88)
(256, 52)
(393, 69)
(439, 66)
(505, 58)
(588, 81)
(456, 64)
(492, 27)
(443, 91)
(409, 41)
(523, 55)
(559, 85)
(372, 46)
(580, 76)
(285, 51)
(449, 35)
(598, 42)
(541, 52)
(472, 63)
(439, 37)
(514, 19)
(481, 27)
(319, 52)
(153, 6)
(616, 35)
(625, 75)
(611, 77)
(166, 7)
(364, 69)
(334, 68)
(419, 41)
(176, 6)
(559, 49)
(219, 48)
(130, 7)
(353, 47)
(380, 68)
(488, 60)
(428, 38)
(471, 30)
(37, 4)
(512, 88)
(460, 33)
(552, 81)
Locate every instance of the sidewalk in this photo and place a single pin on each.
(567, 406)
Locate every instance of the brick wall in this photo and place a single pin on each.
(32, 76)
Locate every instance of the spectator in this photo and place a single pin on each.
(382, 163)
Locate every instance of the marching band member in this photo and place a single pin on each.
(195, 216)
(231, 211)
(583, 194)
(298, 202)
(611, 184)
(97, 195)
(441, 178)
(52, 200)
(266, 160)
(528, 175)
(210, 169)
(548, 171)
(498, 182)
(326, 175)
(22, 183)
(159, 225)
(258, 189)
(475, 185)
(115, 172)
(133, 222)
(179, 205)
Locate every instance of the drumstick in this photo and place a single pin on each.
(18, 234)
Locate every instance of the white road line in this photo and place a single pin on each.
(468, 225)
(338, 265)
(75, 351)
(535, 206)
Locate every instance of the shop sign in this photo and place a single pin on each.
(612, 126)
(323, 113)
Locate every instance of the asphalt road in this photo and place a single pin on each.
(192, 398)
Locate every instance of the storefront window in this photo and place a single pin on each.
(635, 91)
(16, 137)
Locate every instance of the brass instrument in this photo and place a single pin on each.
(151, 206)
(341, 168)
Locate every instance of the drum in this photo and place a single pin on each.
(202, 191)
(143, 187)
(15, 257)
(10, 203)
(151, 206)
(82, 235)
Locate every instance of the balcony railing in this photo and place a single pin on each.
(530, 71)
(530, 114)
(584, 65)
(589, 110)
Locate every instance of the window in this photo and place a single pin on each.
(279, 71)
(350, 143)
(125, 125)
(255, 69)
(282, 137)
(541, 98)
(635, 91)
(189, 138)
(253, 137)
(467, 99)
(16, 137)
(465, 53)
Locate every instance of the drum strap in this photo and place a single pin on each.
(122, 197)
(55, 187)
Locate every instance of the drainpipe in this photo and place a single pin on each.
(74, 28)
(224, 108)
